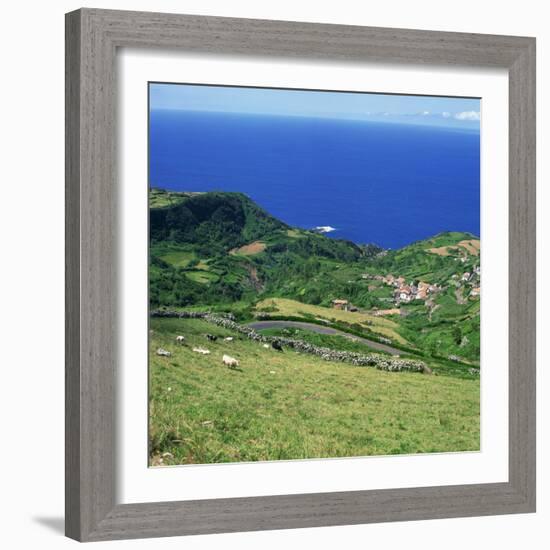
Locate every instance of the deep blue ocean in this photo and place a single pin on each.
(389, 184)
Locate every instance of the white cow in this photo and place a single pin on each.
(229, 339)
(231, 362)
(180, 339)
(163, 353)
(202, 350)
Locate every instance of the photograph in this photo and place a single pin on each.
(314, 274)
(288, 261)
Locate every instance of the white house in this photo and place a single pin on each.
(405, 294)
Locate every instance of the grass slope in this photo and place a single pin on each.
(294, 406)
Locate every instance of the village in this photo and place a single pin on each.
(406, 292)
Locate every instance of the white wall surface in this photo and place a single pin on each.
(31, 218)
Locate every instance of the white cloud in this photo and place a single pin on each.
(468, 115)
(425, 113)
(445, 114)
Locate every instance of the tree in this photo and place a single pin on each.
(456, 334)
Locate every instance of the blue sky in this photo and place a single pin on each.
(400, 109)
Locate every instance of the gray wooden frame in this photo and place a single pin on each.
(92, 39)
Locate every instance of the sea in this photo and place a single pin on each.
(384, 183)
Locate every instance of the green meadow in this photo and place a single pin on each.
(288, 405)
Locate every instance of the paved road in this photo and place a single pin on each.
(259, 325)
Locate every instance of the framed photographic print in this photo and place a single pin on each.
(300, 275)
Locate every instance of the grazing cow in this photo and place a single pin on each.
(202, 350)
(212, 337)
(163, 353)
(180, 339)
(276, 345)
(231, 362)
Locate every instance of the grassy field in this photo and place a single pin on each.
(293, 308)
(294, 406)
(464, 247)
(201, 276)
(178, 258)
(159, 198)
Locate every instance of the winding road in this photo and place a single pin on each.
(260, 325)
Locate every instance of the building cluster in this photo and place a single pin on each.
(471, 279)
(422, 290)
(406, 292)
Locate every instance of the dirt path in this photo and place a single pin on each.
(259, 325)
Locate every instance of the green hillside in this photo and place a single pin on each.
(220, 251)
(435, 259)
(214, 222)
(195, 243)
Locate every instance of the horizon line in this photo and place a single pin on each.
(386, 120)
